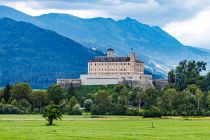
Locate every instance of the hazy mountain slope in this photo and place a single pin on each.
(31, 54)
(157, 48)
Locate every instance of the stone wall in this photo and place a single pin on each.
(67, 83)
(98, 80)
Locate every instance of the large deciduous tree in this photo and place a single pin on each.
(21, 90)
(102, 103)
(169, 98)
(187, 72)
(51, 112)
(55, 93)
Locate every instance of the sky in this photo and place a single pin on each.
(186, 20)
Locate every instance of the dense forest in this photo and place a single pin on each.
(187, 94)
(38, 56)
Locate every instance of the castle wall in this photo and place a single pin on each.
(99, 80)
(144, 81)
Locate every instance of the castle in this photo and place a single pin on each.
(112, 70)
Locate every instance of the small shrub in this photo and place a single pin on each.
(132, 112)
(152, 113)
(76, 110)
(11, 109)
(36, 111)
(87, 104)
(118, 109)
(95, 110)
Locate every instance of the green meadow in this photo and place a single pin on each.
(32, 127)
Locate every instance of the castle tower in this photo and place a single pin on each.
(110, 52)
(132, 55)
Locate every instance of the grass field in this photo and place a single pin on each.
(32, 127)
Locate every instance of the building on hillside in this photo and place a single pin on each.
(111, 70)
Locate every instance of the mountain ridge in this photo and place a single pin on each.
(159, 50)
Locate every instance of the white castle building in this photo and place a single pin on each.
(112, 70)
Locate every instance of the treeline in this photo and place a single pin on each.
(187, 94)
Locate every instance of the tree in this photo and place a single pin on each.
(73, 101)
(76, 110)
(3, 101)
(197, 93)
(51, 112)
(71, 91)
(87, 104)
(208, 100)
(123, 96)
(20, 91)
(102, 104)
(55, 93)
(171, 77)
(137, 95)
(151, 98)
(185, 102)
(198, 97)
(6, 92)
(187, 72)
(39, 99)
(169, 98)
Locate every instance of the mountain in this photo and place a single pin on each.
(14, 14)
(155, 47)
(159, 50)
(31, 54)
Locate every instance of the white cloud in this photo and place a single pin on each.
(153, 12)
(194, 31)
(35, 9)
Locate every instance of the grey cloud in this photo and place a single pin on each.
(154, 12)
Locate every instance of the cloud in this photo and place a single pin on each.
(153, 12)
(194, 31)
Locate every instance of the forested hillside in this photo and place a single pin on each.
(38, 56)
